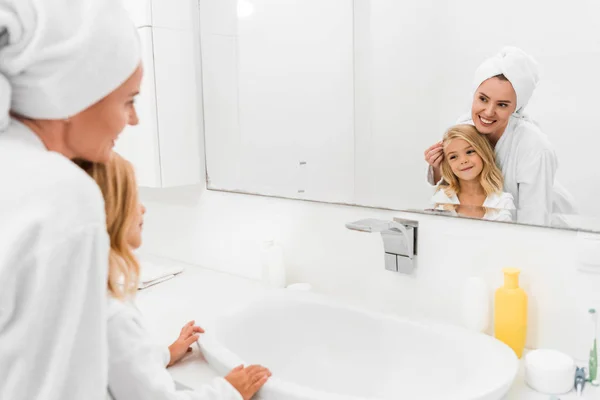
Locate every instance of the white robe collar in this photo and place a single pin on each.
(440, 197)
(20, 133)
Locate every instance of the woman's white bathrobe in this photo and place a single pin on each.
(53, 267)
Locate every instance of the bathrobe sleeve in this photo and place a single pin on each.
(430, 178)
(136, 367)
(535, 172)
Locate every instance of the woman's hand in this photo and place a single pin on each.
(247, 381)
(189, 334)
(435, 155)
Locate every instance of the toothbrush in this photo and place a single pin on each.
(593, 367)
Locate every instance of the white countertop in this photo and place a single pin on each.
(201, 294)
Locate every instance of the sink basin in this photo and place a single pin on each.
(319, 349)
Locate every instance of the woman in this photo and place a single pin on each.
(69, 71)
(137, 367)
(503, 86)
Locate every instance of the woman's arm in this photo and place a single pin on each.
(535, 181)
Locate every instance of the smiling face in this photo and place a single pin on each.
(464, 161)
(494, 102)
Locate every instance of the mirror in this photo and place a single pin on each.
(337, 101)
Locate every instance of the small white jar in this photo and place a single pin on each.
(549, 371)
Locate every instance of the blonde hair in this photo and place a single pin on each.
(116, 180)
(491, 178)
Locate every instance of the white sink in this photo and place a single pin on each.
(318, 349)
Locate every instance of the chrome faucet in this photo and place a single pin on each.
(399, 241)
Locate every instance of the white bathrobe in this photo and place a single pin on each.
(53, 267)
(137, 366)
(499, 207)
(528, 162)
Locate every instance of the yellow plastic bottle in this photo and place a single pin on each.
(510, 312)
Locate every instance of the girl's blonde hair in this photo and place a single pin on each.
(116, 180)
(491, 178)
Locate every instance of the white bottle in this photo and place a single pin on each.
(475, 307)
(273, 265)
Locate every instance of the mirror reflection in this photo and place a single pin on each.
(467, 109)
(499, 157)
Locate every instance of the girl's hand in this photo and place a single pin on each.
(189, 334)
(247, 381)
(435, 155)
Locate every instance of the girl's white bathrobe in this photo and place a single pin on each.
(499, 207)
(137, 366)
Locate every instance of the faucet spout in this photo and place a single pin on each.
(399, 240)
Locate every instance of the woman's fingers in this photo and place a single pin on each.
(435, 152)
(435, 146)
(432, 155)
(437, 160)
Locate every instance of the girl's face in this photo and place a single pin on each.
(464, 161)
(493, 103)
(134, 237)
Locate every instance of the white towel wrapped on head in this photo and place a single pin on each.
(62, 56)
(518, 67)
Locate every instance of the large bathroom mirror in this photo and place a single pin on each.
(338, 101)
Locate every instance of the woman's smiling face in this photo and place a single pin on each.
(494, 102)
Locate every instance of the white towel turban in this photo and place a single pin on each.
(518, 67)
(59, 57)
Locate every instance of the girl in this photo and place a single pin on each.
(136, 366)
(472, 183)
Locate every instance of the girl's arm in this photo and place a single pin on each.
(137, 366)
